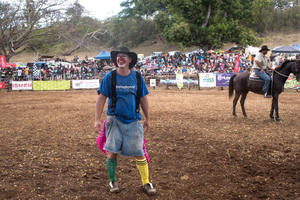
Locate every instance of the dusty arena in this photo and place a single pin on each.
(197, 149)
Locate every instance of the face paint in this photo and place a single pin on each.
(122, 60)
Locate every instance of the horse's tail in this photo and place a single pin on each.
(231, 85)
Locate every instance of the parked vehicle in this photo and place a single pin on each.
(172, 53)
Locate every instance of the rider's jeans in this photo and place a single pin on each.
(265, 77)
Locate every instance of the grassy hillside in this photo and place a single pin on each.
(148, 47)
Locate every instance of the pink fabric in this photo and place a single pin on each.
(101, 140)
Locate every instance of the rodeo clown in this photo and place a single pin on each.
(124, 132)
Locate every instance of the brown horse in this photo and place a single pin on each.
(242, 85)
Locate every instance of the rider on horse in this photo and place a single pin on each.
(260, 66)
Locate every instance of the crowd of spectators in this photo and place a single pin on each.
(205, 63)
(190, 64)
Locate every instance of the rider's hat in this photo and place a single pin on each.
(264, 47)
(124, 50)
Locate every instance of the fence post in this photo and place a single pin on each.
(198, 76)
(189, 81)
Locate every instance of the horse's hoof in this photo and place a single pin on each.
(245, 116)
(278, 120)
(234, 116)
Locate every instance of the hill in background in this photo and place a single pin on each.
(147, 47)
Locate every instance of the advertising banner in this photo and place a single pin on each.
(179, 79)
(152, 82)
(174, 82)
(85, 84)
(292, 83)
(51, 85)
(2, 85)
(207, 79)
(223, 79)
(21, 85)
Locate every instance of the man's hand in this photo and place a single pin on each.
(146, 125)
(97, 126)
(262, 70)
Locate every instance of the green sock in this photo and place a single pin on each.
(112, 168)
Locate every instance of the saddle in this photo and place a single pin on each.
(254, 77)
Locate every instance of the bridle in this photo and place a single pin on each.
(296, 70)
(296, 73)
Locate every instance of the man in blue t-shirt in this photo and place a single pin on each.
(124, 130)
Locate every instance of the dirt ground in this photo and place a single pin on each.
(197, 149)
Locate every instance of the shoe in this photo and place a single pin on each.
(149, 188)
(266, 95)
(113, 187)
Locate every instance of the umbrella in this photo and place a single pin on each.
(145, 66)
(211, 51)
(18, 64)
(107, 67)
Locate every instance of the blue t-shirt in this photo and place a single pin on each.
(126, 89)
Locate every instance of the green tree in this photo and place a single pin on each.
(130, 32)
(24, 24)
(209, 23)
(141, 8)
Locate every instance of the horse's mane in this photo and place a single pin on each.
(284, 64)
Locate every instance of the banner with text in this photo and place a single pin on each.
(174, 81)
(207, 79)
(85, 84)
(21, 85)
(152, 82)
(2, 85)
(223, 79)
(292, 83)
(179, 79)
(51, 85)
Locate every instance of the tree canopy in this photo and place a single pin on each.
(53, 25)
(207, 23)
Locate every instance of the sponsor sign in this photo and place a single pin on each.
(179, 79)
(2, 85)
(21, 85)
(292, 83)
(85, 84)
(223, 79)
(174, 82)
(152, 82)
(207, 79)
(51, 85)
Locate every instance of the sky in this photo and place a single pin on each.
(101, 9)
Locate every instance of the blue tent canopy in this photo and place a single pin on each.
(103, 55)
(286, 49)
(297, 46)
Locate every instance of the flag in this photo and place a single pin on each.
(36, 74)
(2, 62)
(237, 63)
(2, 85)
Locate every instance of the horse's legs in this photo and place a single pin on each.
(235, 100)
(275, 102)
(272, 110)
(242, 101)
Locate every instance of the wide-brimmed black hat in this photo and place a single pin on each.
(265, 47)
(124, 50)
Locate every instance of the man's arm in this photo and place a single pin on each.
(145, 108)
(98, 111)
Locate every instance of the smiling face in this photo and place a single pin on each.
(123, 60)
